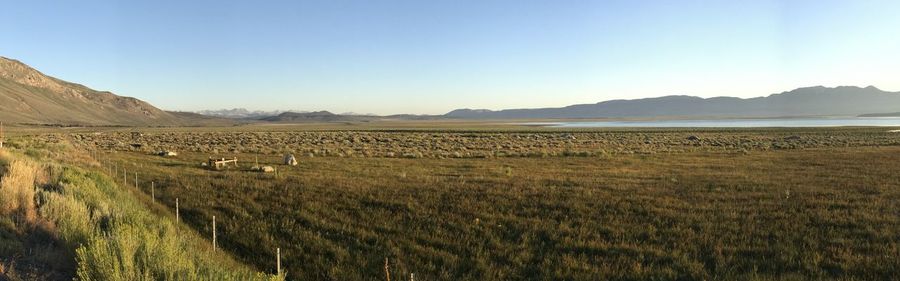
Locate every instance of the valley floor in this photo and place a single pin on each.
(819, 204)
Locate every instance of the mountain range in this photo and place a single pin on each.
(243, 113)
(811, 101)
(318, 116)
(27, 96)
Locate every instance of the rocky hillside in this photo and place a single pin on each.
(27, 96)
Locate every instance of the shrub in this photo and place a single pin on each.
(113, 234)
(36, 153)
(17, 190)
(132, 252)
(72, 217)
(4, 159)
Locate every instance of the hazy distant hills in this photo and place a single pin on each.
(241, 113)
(812, 101)
(28, 96)
(318, 116)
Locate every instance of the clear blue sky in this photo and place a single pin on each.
(432, 56)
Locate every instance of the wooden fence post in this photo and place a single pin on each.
(177, 218)
(214, 234)
(153, 192)
(278, 260)
(387, 270)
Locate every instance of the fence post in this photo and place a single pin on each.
(177, 218)
(387, 270)
(214, 234)
(153, 192)
(278, 260)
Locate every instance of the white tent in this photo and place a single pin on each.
(290, 160)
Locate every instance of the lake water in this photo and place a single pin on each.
(733, 123)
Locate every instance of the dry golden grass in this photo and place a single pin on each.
(17, 190)
(4, 160)
(28, 249)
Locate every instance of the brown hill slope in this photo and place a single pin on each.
(27, 96)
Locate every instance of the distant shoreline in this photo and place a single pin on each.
(894, 114)
(727, 123)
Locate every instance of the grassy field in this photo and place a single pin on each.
(62, 218)
(775, 204)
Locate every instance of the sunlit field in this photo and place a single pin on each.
(760, 204)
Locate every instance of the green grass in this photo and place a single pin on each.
(108, 230)
(822, 212)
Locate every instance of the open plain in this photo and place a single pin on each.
(527, 203)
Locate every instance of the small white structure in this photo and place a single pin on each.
(222, 162)
(290, 160)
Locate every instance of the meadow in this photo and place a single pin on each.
(532, 204)
(61, 218)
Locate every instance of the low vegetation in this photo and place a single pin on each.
(17, 190)
(812, 204)
(61, 221)
(481, 144)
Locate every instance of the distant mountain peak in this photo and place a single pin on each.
(314, 113)
(473, 110)
(243, 113)
(316, 116)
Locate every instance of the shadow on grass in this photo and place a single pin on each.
(34, 253)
